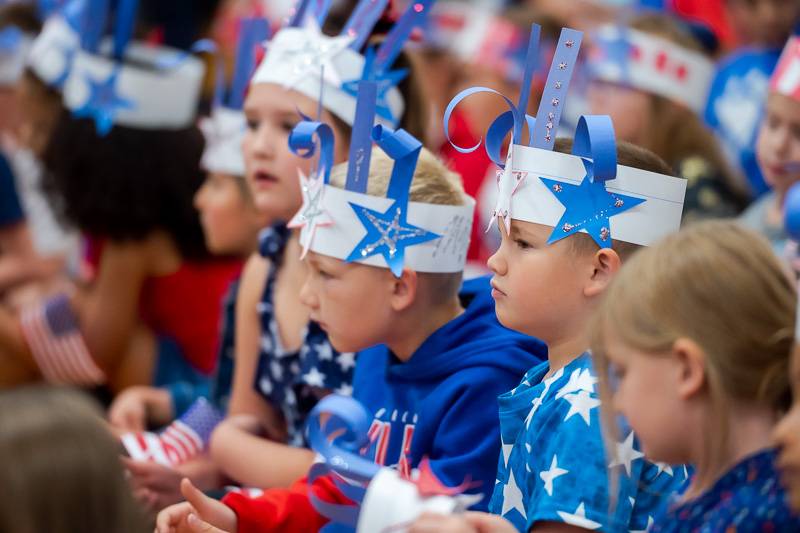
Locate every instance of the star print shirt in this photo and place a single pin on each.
(293, 381)
(554, 466)
(748, 498)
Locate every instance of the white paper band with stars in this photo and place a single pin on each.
(644, 224)
(159, 97)
(295, 59)
(447, 253)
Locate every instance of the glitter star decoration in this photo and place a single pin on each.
(508, 181)
(589, 206)
(388, 234)
(384, 81)
(315, 53)
(312, 214)
(103, 103)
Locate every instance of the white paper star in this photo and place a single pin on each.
(512, 497)
(508, 182)
(579, 518)
(346, 361)
(626, 454)
(312, 213)
(315, 378)
(581, 403)
(581, 379)
(549, 475)
(314, 54)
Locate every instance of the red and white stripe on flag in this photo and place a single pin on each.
(52, 333)
(181, 442)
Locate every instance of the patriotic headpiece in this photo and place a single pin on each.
(389, 232)
(475, 34)
(649, 63)
(586, 191)
(117, 81)
(224, 129)
(54, 49)
(786, 78)
(301, 58)
(385, 499)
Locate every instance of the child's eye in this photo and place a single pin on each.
(252, 125)
(522, 245)
(288, 126)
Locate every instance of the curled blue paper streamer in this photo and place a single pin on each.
(339, 441)
(791, 210)
(304, 140)
(594, 139)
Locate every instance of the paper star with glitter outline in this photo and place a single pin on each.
(388, 234)
(315, 54)
(589, 206)
(508, 181)
(384, 81)
(103, 103)
(312, 213)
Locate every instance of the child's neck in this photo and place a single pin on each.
(561, 352)
(416, 324)
(749, 431)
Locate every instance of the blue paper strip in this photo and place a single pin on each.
(531, 64)
(363, 20)
(253, 31)
(94, 24)
(414, 16)
(361, 138)
(791, 209)
(304, 140)
(123, 26)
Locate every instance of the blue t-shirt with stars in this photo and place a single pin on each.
(554, 466)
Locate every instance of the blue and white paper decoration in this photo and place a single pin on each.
(389, 232)
(54, 49)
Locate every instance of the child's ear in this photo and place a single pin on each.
(690, 359)
(605, 265)
(404, 290)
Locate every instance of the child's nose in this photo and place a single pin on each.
(307, 296)
(497, 263)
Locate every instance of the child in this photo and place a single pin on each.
(778, 149)
(652, 78)
(65, 472)
(431, 388)
(279, 349)
(696, 333)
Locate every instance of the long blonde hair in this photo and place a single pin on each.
(61, 471)
(721, 286)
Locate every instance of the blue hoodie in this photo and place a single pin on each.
(442, 402)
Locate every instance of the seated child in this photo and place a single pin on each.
(693, 341)
(432, 386)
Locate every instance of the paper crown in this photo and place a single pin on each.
(475, 34)
(224, 130)
(116, 81)
(649, 63)
(53, 50)
(301, 58)
(389, 232)
(583, 192)
(786, 78)
(14, 48)
(384, 500)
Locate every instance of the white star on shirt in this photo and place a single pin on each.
(579, 380)
(346, 361)
(579, 518)
(647, 528)
(315, 378)
(581, 403)
(537, 402)
(664, 467)
(345, 390)
(512, 497)
(507, 452)
(324, 351)
(549, 475)
(626, 454)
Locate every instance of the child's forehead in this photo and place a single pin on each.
(784, 106)
(529, 229)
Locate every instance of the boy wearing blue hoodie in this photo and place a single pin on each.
(440, 358)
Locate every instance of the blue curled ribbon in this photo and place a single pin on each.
(304, 140)
(595, 140)
(337, 430)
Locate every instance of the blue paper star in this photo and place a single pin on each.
(388, 234)
(103, 103)
(589, 206)
(384, 80)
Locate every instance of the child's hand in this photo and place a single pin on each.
(134, 407)
(198, 513)
(155, 486)
(462, 523)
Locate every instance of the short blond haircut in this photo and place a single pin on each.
(721, 286)
(433, 183)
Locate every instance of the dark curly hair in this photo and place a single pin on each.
(127, 184)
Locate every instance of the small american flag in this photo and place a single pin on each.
(54, 337)
(180, 441)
